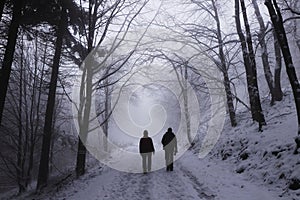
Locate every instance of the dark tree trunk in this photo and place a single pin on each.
(264, 51)
(81, 155)
(86, 92)
(229, 97)
(278, 95)
(44, 161)
(224, 69)
(84, 113)
(259, 117)
(277, 21)
(20, 161)
(250, 65)
(9, 52)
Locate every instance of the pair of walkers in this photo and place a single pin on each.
(169, 143)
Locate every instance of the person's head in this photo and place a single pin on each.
(170, 130)
(145, 133)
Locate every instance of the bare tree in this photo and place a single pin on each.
(183, 82)
(264, 53)
(9, 52)
(212, 42)
(224, 67)
(293, 6)
(106, 110)
(20, 160)
(250, 65)
(44, 161)
(95, 27)
(23, 118)
(277, 74)
(276, 18)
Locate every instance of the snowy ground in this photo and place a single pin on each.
(245, 164)
(199, 179)
(191, 179)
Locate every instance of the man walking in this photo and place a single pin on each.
(169, 143)
(146, 150)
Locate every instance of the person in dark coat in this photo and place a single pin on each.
(146, 150)
(169, 143)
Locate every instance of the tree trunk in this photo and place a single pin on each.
(81, 155)
(264, 53)
(44, 161)
(186, 108)
(37, 120)
(297, 38)
(86, 92)
(9, 52)
(86, 99)
(51, 154)
(224, 69)
(250, 66)
(229, 96)
(278, 95)
(277, 21)
(106, 114)
(259, 117)
(20, 136)
(84, 113)
(26, 107)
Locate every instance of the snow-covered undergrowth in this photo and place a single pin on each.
(264, 157)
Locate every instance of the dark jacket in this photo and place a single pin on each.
(146, 145)
(169, 141)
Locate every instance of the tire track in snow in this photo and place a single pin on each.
(128, 186)
(172, 185)
(179, 184)
(203, 192)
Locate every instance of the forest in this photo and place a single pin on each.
(80, 80)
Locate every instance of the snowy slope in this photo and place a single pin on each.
(266, 158)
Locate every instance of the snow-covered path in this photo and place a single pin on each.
(192, 178)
